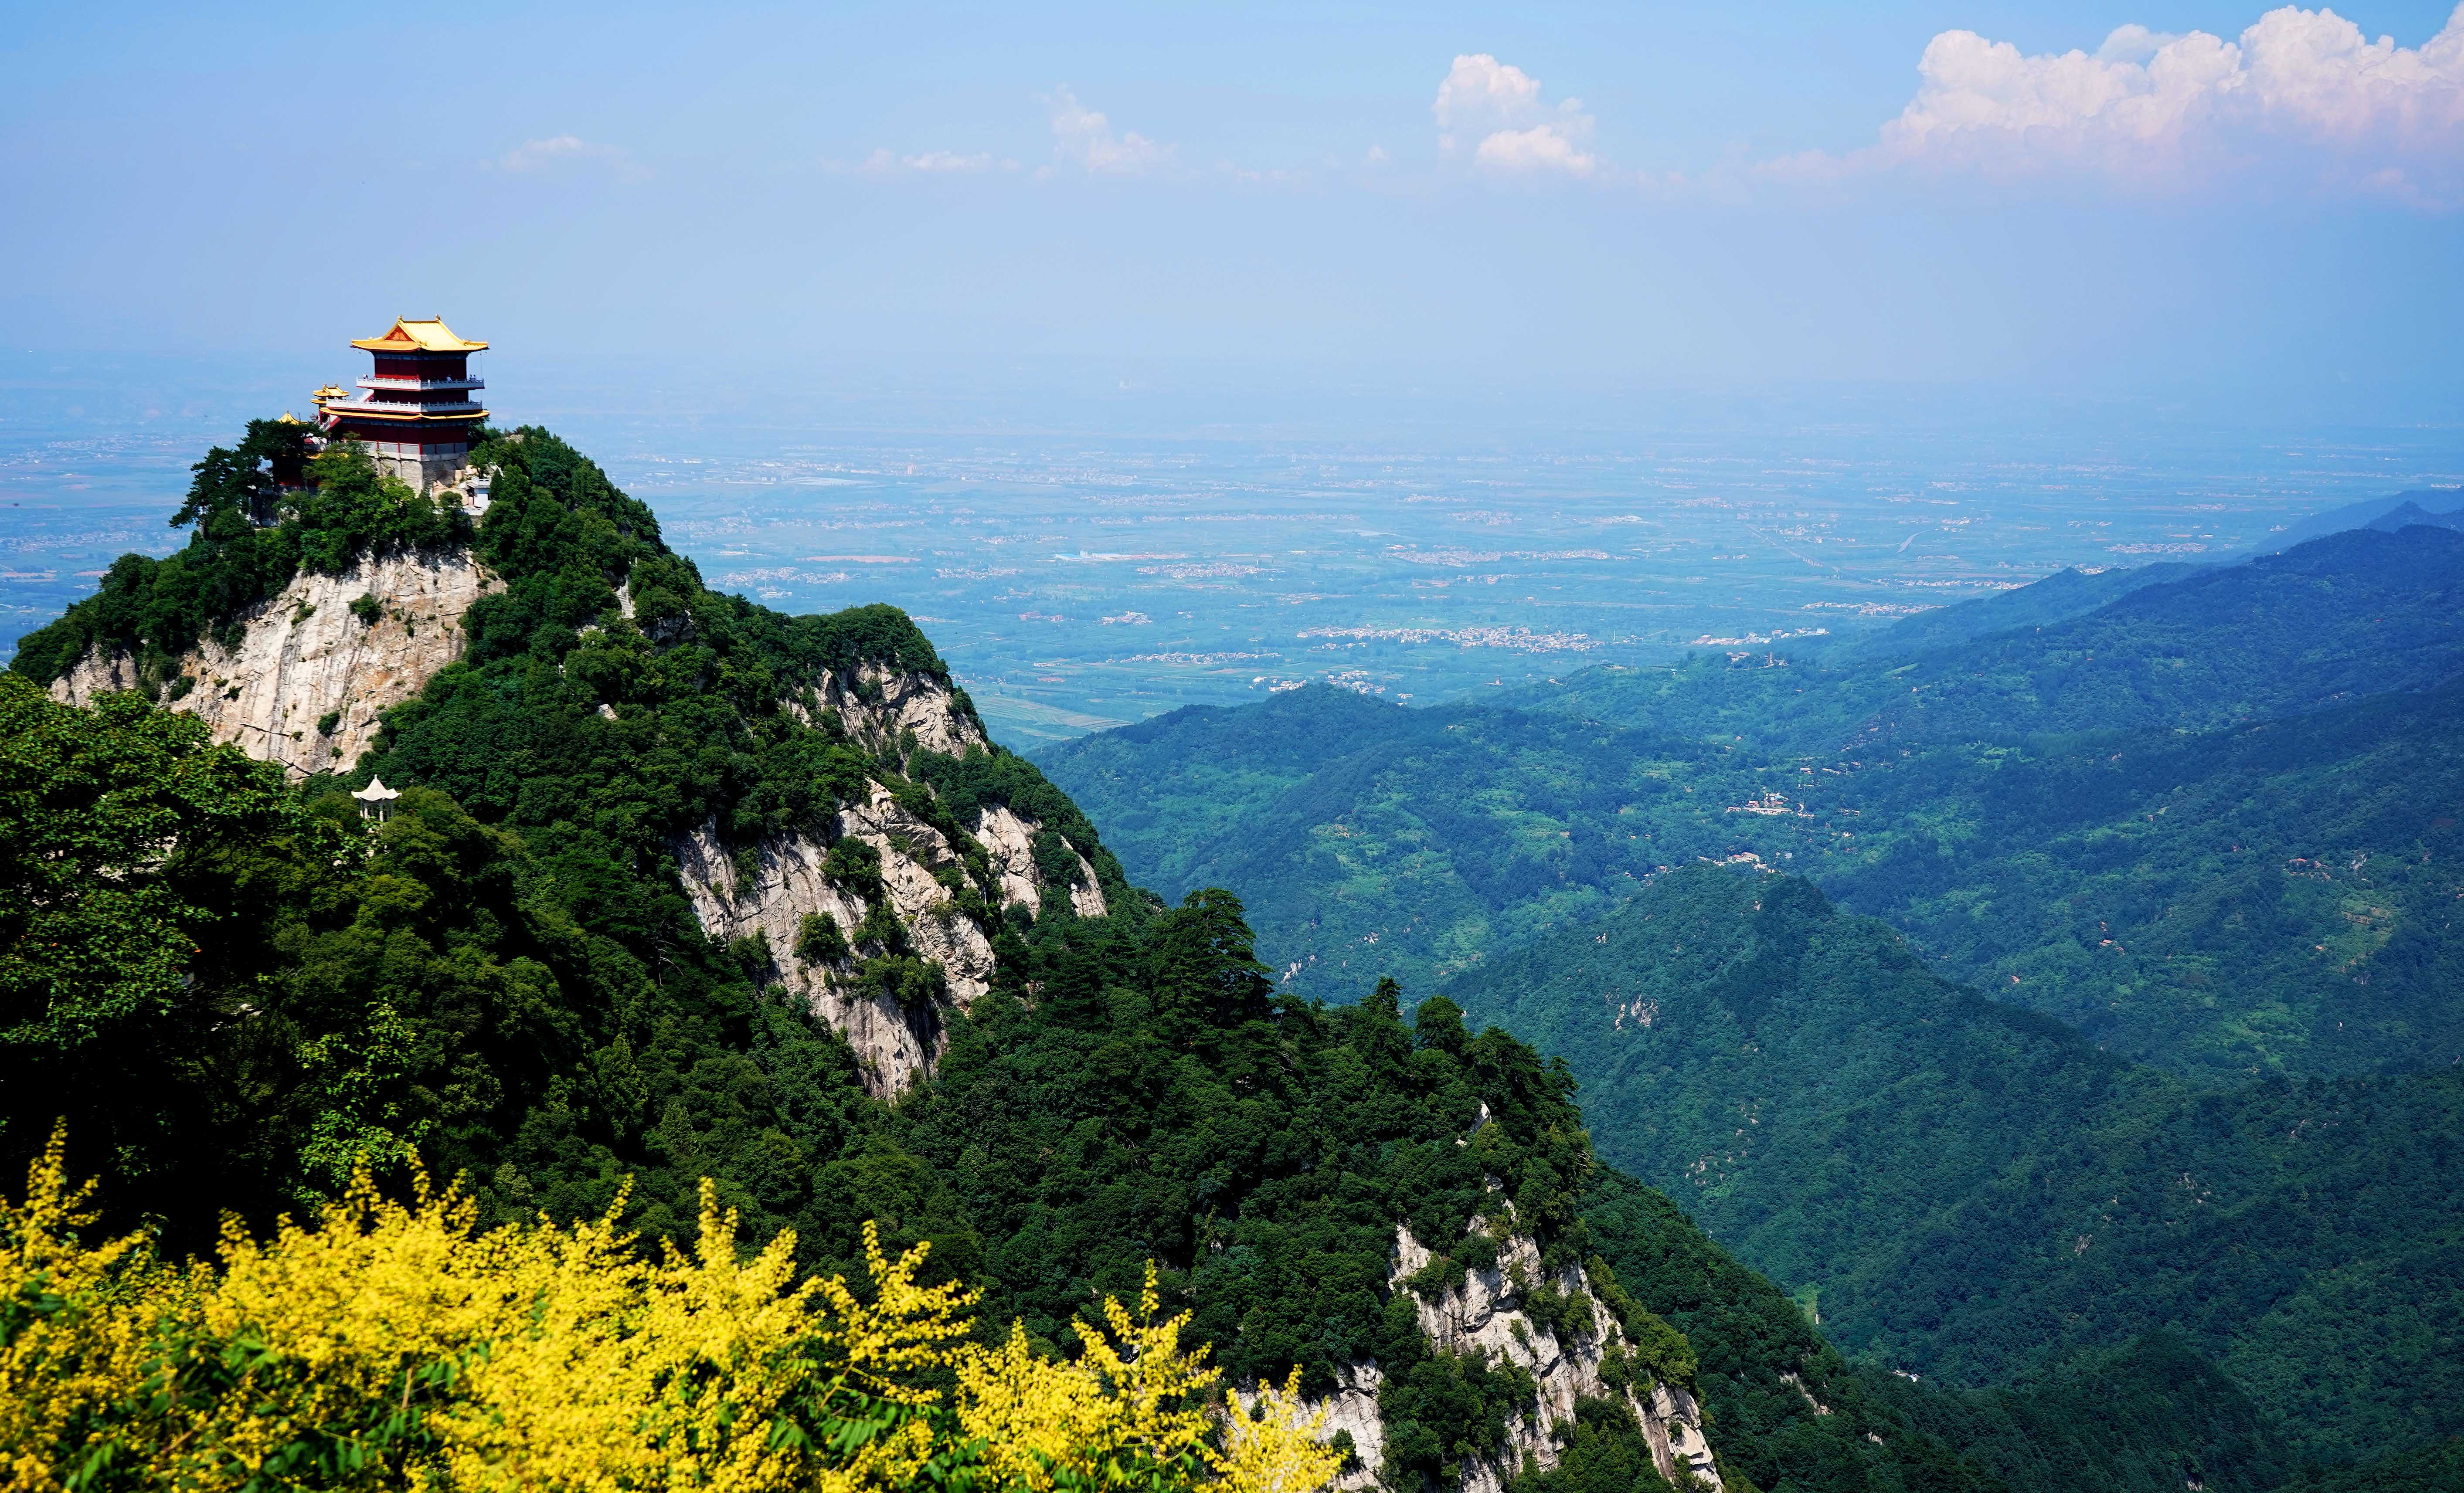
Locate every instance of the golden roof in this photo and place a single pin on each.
(409, 336)
(404, 414)
(329, 391)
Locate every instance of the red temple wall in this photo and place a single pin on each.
(428, 366)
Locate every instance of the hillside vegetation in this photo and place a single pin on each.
(507, 975)
(2269, 897)
(2357, 613)
(2195, 834)
(2057, 597)
(242, 996)
(1972, 1192)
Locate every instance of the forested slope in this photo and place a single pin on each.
(2362, 515)
(1969, 1190)
(237, 991)
(2276, 898)
(2272, 897)
(1389, 840)
(1128, 1091)
(507, 975)
(2355, 613)
(2057, 597)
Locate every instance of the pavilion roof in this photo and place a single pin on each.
(412, 335)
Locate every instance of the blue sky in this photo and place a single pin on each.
(2226, 205)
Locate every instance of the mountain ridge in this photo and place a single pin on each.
(1847, 1121)
(517, 977)
(556, 972)
(1419, 840)
(2362, 515)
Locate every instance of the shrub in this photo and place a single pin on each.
(881, 929)
(855, 864)
(386, 1345)
(819, 941)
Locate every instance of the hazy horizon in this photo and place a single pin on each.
(2241, 209)
(1428, 308)
(1086, 553)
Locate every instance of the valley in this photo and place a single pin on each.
(1648, 1173)
(2036, 976)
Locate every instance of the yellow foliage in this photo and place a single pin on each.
(1128, 1401)
(391, 1346)
(79, 1326)
(1277, 1450)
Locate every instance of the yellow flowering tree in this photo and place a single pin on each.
(75, 1327)
(1130, 1413)
(386, 1345)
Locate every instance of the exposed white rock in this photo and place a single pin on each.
(306, 654)
(895, 1045)
(911, 852)
(1087, 899)
(877, 706)
(1485, 1316)
(1353, 1407)
(1009, 838)
(898, 1046)
(1010, 841)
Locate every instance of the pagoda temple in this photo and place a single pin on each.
(416, 411)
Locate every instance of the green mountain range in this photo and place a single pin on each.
(2194, 830)
(2371, 513)
(1973, 1191)
(2360, 612)
(635, 883)
(548, 870)
(2222, 883)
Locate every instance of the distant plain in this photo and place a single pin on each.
(1089, 551)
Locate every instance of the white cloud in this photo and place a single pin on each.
(2301, 95)
(1083, 138)
(558, 150)
(1498, 106)
(932, 162)
(1480, 94)
(2133, 43)
(1541, 148)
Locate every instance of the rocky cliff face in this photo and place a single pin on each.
(1485, 1316)
(772, 889)
(895, 1043)
(878, 706)
(786, 882)
(1010, 841)
(306, 655)
(310, 677)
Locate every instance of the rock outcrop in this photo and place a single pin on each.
(310, 677)
(1351, 1410)
(1010, 841)
(895, 1043)
(1485, 1316)
(878, 707)
(782, 880)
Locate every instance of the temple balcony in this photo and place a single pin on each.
(406, 413)
(390, 382)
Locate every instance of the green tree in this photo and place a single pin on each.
(113, 824)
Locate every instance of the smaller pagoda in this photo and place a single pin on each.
(416, 411)
(376, 800)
